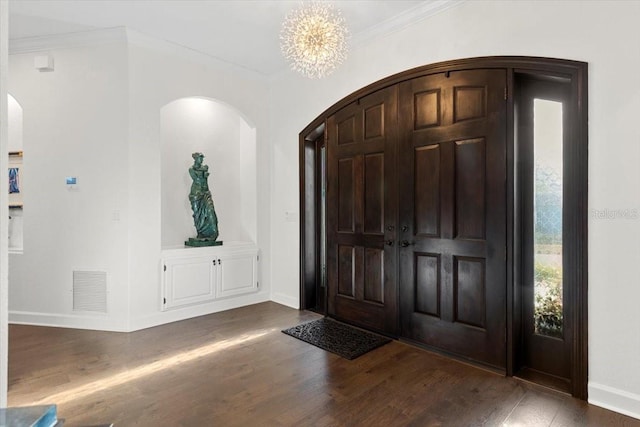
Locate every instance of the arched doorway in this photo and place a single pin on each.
(425, 201)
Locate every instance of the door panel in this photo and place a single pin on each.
(374, 275)
(469, 157)
(374, 194)
(427, 191)
(361, 212)
(346, 270)
(346, 196)
(452, 213)
(427, 284)
(469, 290)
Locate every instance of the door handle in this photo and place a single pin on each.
(389, 242)
(406, 243)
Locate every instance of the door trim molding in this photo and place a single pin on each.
(568, 70)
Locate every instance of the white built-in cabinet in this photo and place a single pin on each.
(200, 275)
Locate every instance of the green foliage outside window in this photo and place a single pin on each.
(548, 300)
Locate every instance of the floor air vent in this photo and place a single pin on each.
(90, 291)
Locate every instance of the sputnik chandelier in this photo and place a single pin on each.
(314, 39)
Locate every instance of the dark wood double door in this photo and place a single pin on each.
(416, 212)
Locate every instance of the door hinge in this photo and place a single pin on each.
(165, 268)
(506, 93)
(164, 301)
(257, 284)
(257, 257)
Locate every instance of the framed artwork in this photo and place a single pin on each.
(14, 180)
(15, 187)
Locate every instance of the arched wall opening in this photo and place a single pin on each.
(228, 142)
(16, 173)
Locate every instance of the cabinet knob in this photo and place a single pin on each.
(389, 242)
(214, 262)
(405, 227)
(406, 243)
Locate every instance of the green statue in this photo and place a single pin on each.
(204, 213)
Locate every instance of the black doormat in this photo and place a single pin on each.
(337, 338)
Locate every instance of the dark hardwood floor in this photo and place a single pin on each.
(237, 369)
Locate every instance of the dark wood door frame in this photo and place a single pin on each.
(575, 73)
(312, 294)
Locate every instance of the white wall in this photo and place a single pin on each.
(15, 114)
(4, 284)
(604, 34)
(190, 125)
(75, 124)
(97, 116)
(160, 73)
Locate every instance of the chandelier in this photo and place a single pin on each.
(313, 39)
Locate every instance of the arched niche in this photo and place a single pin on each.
(16, 162)
(228, 142)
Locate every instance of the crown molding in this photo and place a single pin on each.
(67, 40)
(121, 35)
(145, 41)
(411, 16)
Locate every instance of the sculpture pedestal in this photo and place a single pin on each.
(202, 241)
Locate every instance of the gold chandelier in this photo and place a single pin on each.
(314, 39)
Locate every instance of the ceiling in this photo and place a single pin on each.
(241, 32)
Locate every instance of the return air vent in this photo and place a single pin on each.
(90, 291)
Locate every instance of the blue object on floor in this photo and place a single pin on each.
(30, 416)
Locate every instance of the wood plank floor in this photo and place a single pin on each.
(236, 368)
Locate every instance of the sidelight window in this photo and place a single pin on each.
(547, 224)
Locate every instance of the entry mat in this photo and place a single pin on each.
(336, 337)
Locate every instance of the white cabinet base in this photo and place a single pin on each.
(192, 276)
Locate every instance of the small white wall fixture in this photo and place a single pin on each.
(43, 63)
(228, 142)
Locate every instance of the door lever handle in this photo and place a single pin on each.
(389, 242)
(406, 243)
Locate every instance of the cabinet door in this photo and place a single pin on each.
(237, 274)
(188, 281)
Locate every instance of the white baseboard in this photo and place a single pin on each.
(95, 322)
(614, 399)
(106, 323)
(162, 317)
(287, 300)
